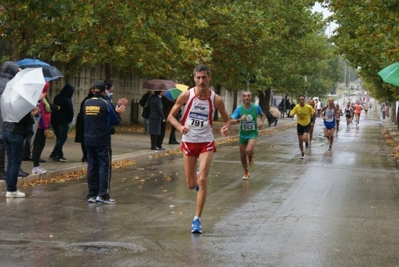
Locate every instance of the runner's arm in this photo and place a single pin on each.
(219, 104)
(181, 100)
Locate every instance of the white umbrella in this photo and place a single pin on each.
(275, 112)
(21, 94)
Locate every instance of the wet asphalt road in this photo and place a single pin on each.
(334, 208)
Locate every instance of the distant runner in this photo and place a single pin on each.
(247, 116)
(304, 113)
(329, 113)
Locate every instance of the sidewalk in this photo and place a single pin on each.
(125, 146)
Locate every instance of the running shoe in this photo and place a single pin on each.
(53, 157)
(302, 155)
(15, 194)
(23, 174)
(196, 227)
(105, 201)
(38, 170)
(92, 200)
(62, 159)
(329, 148)
(246, 175)
(251, 162)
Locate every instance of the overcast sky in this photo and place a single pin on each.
(317, 8)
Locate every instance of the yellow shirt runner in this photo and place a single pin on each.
(303, 114)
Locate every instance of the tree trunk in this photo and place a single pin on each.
(264, 99)
(235, 99)
(218, 89)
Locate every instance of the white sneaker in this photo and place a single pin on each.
(38, 170)
(15, 194)
(246, 175)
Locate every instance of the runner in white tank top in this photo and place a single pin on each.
(198, 117)
(199, 105)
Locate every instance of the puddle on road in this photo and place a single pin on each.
(106, 247)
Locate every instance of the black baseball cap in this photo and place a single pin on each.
(99, 87)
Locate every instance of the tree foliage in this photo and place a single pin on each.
(279, 42)
(367, 37)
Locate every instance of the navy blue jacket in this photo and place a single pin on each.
(98, 117)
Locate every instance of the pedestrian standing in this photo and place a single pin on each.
(99, 115)
(172, 135)
(156, 119)
(108, 96)
(60, 120)
(166, 106)
(39, 141)
(80, 125)
(14, 134)
(144, 103)
(247, 116)
(304, 113)
(8, 70)
(200, 104)
(383, 110)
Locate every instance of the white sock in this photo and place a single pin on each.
(196, 217)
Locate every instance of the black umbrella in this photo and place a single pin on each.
(159, 85)
(49, 72)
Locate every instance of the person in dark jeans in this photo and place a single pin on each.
(99, 115)
(7, 71)
(14, 134)
(60, 121)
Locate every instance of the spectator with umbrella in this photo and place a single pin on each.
(156, 118)
(8, 70)
(18, 106)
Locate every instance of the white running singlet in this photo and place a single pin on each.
(329, 114)
(198, 117)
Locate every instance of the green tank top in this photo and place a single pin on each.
(250, 125)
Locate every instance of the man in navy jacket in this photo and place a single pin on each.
(99, 115)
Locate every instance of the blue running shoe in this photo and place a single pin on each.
(196, 227)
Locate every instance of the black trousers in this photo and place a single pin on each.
(162, 135)
(38, 146)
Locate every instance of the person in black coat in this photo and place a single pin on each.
(156, 117)
(143, 102)
(166, 106)
(79, 135)
(60, 121)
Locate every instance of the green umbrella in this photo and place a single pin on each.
(390, 74)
